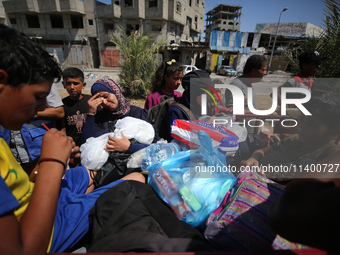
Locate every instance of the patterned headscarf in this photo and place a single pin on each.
(110, 86)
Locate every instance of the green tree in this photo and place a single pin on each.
(327, 44)
(296, 48)
(139, 61)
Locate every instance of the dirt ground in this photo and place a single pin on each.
(264, 102)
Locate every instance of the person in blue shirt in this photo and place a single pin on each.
(50, 215)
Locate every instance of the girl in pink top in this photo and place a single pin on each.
(166, 81)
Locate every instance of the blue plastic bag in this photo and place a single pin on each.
(193, 182)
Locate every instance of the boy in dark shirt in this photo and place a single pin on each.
(75, 105)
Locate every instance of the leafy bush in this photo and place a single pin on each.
(139, 61)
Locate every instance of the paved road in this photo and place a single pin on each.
(261, 88)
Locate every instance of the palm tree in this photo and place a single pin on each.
(329, 43)
(139, 61)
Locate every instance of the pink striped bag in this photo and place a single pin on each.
(240, 223)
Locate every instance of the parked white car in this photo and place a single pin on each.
(226, 70)
(189, 68)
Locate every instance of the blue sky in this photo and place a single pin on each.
(268, 11)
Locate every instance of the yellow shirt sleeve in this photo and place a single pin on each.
(15, 177)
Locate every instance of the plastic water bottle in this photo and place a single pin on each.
(158, 152)
(180, 145)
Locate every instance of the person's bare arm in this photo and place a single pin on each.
(328, 171)
(32, 234)
(257, 156)
(51, 113)
(331, 172)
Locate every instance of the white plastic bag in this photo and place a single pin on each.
(136, 159)
(139, 129)
(240, 131)
(93, 156)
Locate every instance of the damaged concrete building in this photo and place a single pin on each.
(65, 29)
(76, 32)
(179, 22)
(230, 46)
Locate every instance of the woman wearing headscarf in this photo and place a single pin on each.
(106, 106)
